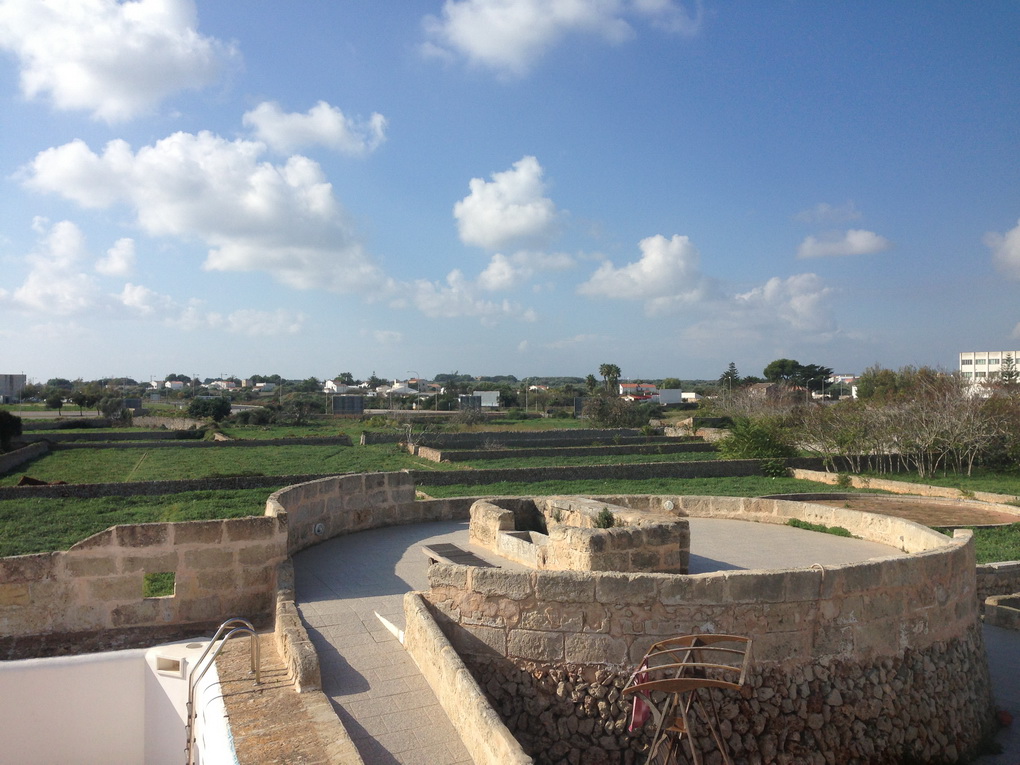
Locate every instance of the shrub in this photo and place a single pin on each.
(756, 439)
(605, 519)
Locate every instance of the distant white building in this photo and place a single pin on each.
(979, 366)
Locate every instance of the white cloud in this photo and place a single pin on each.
(113, 59)
(387, 336)
(797, 302)
(322, 125)
(509, 209)
(509, 36)
(1005, 251)
(504, 273)
(854, 242)
(823, 212)
(119, 260)
(253, 215)
(143, 300)
(667, 275)
(55, 283)
(249, 321)
(458, 297)
(570, 342)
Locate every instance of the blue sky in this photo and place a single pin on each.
(528, 187)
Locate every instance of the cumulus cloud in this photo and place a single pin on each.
(119, 260)
(458, 297)
(193, 316)
(667, 275)
(254, 323)
(509, 36)
(510, 209)
(854, 242)
(797, 302)
(1005, 251)
(144, 301)
(322, 125)
(506, 272)
(56, 283)
(387, 336)
(823, 212)
(253, 215)
(114, 59)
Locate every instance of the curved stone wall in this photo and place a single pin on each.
(879, 661)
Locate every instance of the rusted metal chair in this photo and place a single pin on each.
(673, 685)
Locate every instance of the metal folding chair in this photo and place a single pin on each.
(675, 681)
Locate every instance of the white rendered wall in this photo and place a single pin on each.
(112, 707)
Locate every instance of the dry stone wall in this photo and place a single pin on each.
(878, 661)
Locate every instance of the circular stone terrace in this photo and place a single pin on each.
(552, 648)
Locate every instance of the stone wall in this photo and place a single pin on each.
(998, 579)
(172, 439)
(149, 488)
(321, 509)
(876, 661)
(561, 533)
(658, 446)
(222, 568)
(102, 435)
(566, 437)
(18, 457)
(907, 487)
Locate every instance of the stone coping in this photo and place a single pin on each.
(480, 727)
(1003, 611)
(906, 487)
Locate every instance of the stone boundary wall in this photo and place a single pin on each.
(906, 487)
(18, 457)
(565, 437)
(149, 488)
(170, 423)
(691, 469)
(222, 568)
(292, 640)
(658, 446)
(837, 650)
(171, 440)
(63, 423)
(486, 737)
(94, 434)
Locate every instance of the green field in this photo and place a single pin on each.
(176, 463)
(41, 525)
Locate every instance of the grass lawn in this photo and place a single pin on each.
(981, 480)
(174, 463)
(42, 525)
(993, 544)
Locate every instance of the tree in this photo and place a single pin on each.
(591, 383)
(55, 401)
(10, 428)
(730, 379)
(345, 378)
(213, 408)
(671, 383)
(782, 370)
(611, 374)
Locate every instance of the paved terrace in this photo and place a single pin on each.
(388, 708)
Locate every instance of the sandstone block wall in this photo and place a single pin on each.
(18, 457)
(222, 568)
(321, 509)
(658, 446)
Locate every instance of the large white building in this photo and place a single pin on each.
(980, 366)
(11, 387)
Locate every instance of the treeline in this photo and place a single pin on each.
(914, 419)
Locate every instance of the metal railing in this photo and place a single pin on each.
(233, 628)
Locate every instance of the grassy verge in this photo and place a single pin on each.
(175, 463)
(838, 531)
(42, 525)
(994, 544)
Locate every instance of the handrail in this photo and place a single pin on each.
(198, 672)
